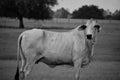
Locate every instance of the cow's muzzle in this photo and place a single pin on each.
(89, 36)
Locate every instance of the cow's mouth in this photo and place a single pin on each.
(89, 37)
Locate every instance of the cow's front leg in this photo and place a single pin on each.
(77, 64)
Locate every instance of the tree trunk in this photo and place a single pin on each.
(21, 25)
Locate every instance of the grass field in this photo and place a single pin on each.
(105, 64)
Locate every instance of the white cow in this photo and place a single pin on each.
(72, 48)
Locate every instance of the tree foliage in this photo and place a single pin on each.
(61, 13)
(116, 15)
(37, 9)
(86, 12)
(8, 8)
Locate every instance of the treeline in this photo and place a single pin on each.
(86, 12)
(41, 9)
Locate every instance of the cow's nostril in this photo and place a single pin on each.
(89, 36)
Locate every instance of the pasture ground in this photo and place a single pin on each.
(105, 64)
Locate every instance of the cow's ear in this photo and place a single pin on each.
(82, 27)
(98, 27)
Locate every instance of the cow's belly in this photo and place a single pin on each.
(55, 56)
(62, 56)
(56, 62)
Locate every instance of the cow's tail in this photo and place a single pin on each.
(18, 58)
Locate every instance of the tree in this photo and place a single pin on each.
(116, 15)
(61, 13)
(37, 9)
(107, 14)
(86, 12)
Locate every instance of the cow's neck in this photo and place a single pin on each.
(89, 44)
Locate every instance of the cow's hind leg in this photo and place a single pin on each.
(22, 73)
(28, 68)
(30, 63)
(25, 68)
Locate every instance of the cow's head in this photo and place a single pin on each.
(91, 28)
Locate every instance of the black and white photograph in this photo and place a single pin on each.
(59, 39)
